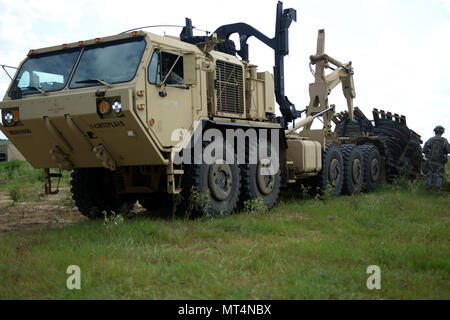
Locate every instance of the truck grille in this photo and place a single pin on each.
(230, 91)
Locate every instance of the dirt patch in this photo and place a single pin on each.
(5, 199)
(30, 214)
(46, 211)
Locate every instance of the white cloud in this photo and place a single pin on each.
(444, 3)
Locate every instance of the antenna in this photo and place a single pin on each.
(167, 26)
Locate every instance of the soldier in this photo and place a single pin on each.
(173, 77)
(436, 150)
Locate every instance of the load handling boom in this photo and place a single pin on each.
(321, 88)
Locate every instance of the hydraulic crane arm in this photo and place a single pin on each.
(343, 73)
(323, 84)
(279, 43)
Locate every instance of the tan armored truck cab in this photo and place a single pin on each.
(138, 116)
(129, 111)
(110, 102)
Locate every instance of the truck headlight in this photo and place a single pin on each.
(116, 107)
(8, 117)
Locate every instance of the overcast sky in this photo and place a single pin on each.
(399, 48)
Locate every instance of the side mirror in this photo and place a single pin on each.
(189, 69)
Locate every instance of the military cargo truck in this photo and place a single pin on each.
(139, 116)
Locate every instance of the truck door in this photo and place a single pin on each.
(169, 100)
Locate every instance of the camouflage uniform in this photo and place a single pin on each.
(436, 150)
(174, 78)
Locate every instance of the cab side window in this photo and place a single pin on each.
(154, 68)
(175, 63)
(160, 65)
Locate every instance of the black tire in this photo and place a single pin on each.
(358, 127)
(395, 137)
(331, 177)
(254, 185)
(353, 169)
(391, 169)
(392, 127)
(403, 154)
(372, 167)
(93, 193)
(415, 157)
(210, 189)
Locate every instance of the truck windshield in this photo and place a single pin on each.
(48, 72)
(111, 63)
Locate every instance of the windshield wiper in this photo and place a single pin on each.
(94, 80)
(34, 87)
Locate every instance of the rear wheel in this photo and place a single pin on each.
(331, 178)
(260, 180)
(353, 169)
(94, 194)
(372, 167)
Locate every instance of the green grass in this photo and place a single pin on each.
(22, 181)
(308, 249)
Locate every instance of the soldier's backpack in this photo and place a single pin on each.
(437, 151)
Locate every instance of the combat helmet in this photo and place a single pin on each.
(439, 130)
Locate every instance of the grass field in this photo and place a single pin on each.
(22, 181)
(303, 249)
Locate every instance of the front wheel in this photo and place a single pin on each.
(94, 194)
(210, 189)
